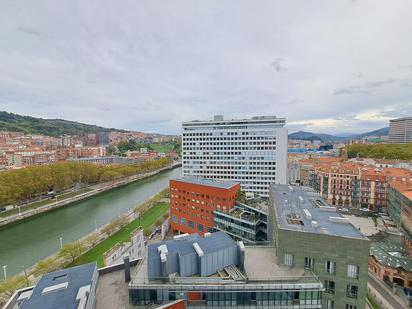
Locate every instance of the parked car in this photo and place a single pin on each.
(364, 209)
(408, 293)
(2, 209)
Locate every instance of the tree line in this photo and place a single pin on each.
(23, 185)
(381, 151)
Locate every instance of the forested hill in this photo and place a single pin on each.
(50, 127)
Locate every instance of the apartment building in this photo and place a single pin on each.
(349, 184)
(309, 233)
(400, 209)
(193, 201)
(400, 130)
(250, 151)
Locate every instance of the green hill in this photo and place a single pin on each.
(50, 127)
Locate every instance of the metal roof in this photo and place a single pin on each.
(290, 204)
(208, 182)
(391, 254)
(52, 291)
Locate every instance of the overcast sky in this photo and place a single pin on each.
(327, 66)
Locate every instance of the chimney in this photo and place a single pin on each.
(126, 262)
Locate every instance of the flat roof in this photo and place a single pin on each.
(391, 254)
(59, 289)
(302, 209)
(221, 184)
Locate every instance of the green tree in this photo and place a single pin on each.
(46, 266)
(72, 250)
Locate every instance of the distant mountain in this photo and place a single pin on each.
(309, 136)
(379, 132)
(328, 138)
(50, 127)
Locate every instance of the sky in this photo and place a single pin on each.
(342, 66)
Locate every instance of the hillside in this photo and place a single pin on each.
(50, 127)
(325, 138)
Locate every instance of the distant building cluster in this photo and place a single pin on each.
(19, 150)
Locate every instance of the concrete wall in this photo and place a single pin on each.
(211, 263)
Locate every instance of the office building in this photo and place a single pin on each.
(250, 151)
(400, 130)
(217, 272)
(193, 200)
(309, 233)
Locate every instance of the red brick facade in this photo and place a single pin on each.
(192, 205)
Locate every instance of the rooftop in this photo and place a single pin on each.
(207, 182)
(302, 209)
(391, 254)
(221, 120)
(61, 289)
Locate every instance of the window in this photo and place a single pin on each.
(352, 291)
(329, 287)
(309, 263)
(330, 267)
(349, 306)
(288, 259)
(200, 227)
(353, 271)
(183, 221)
(330, 304)
(174, 218)
(190, 224)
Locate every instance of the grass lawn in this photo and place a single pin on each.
(146, 221)
(42, 203)
(372, 302)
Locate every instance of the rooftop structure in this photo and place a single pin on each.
(301, 209)
(391, 254)
(207, 182)
(70, 288)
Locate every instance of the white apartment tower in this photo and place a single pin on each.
(251, 151)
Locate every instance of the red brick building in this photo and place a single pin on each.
(193, 200)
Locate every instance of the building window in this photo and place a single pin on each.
(200, 227)
(309, 263)
(183, 221)
(352, 291)
(174, 218)
(330, 267)
(350, 306)
(353, 271)
(329, 287)
(190, 224)
(330, 304)
(288, 259)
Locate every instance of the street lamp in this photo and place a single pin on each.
(95, 225)
(19, 210)
(5, 272)
(61, 242)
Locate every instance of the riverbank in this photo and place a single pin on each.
(95, 190)
(90, 247)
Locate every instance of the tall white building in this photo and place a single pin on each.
(400, 130)
(251, 151)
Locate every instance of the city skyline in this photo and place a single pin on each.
(148, 66)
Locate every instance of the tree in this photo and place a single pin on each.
(11, 284)
(92, 240)
(46, 266)
(72, 250)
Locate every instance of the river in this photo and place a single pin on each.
(23, 244)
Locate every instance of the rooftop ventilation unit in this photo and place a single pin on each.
(301, 199)
(198, 250)
(55, 288)
(180, 237)
(339, 220)
(307, 214)
(82, 295)
(315, 224)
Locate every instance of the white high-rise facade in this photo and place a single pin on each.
(251, 151)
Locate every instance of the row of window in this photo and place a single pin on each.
(330, 266)
(188, 223)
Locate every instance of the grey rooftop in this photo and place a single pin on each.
(60, 289)
(302, 209)
(221, 184)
